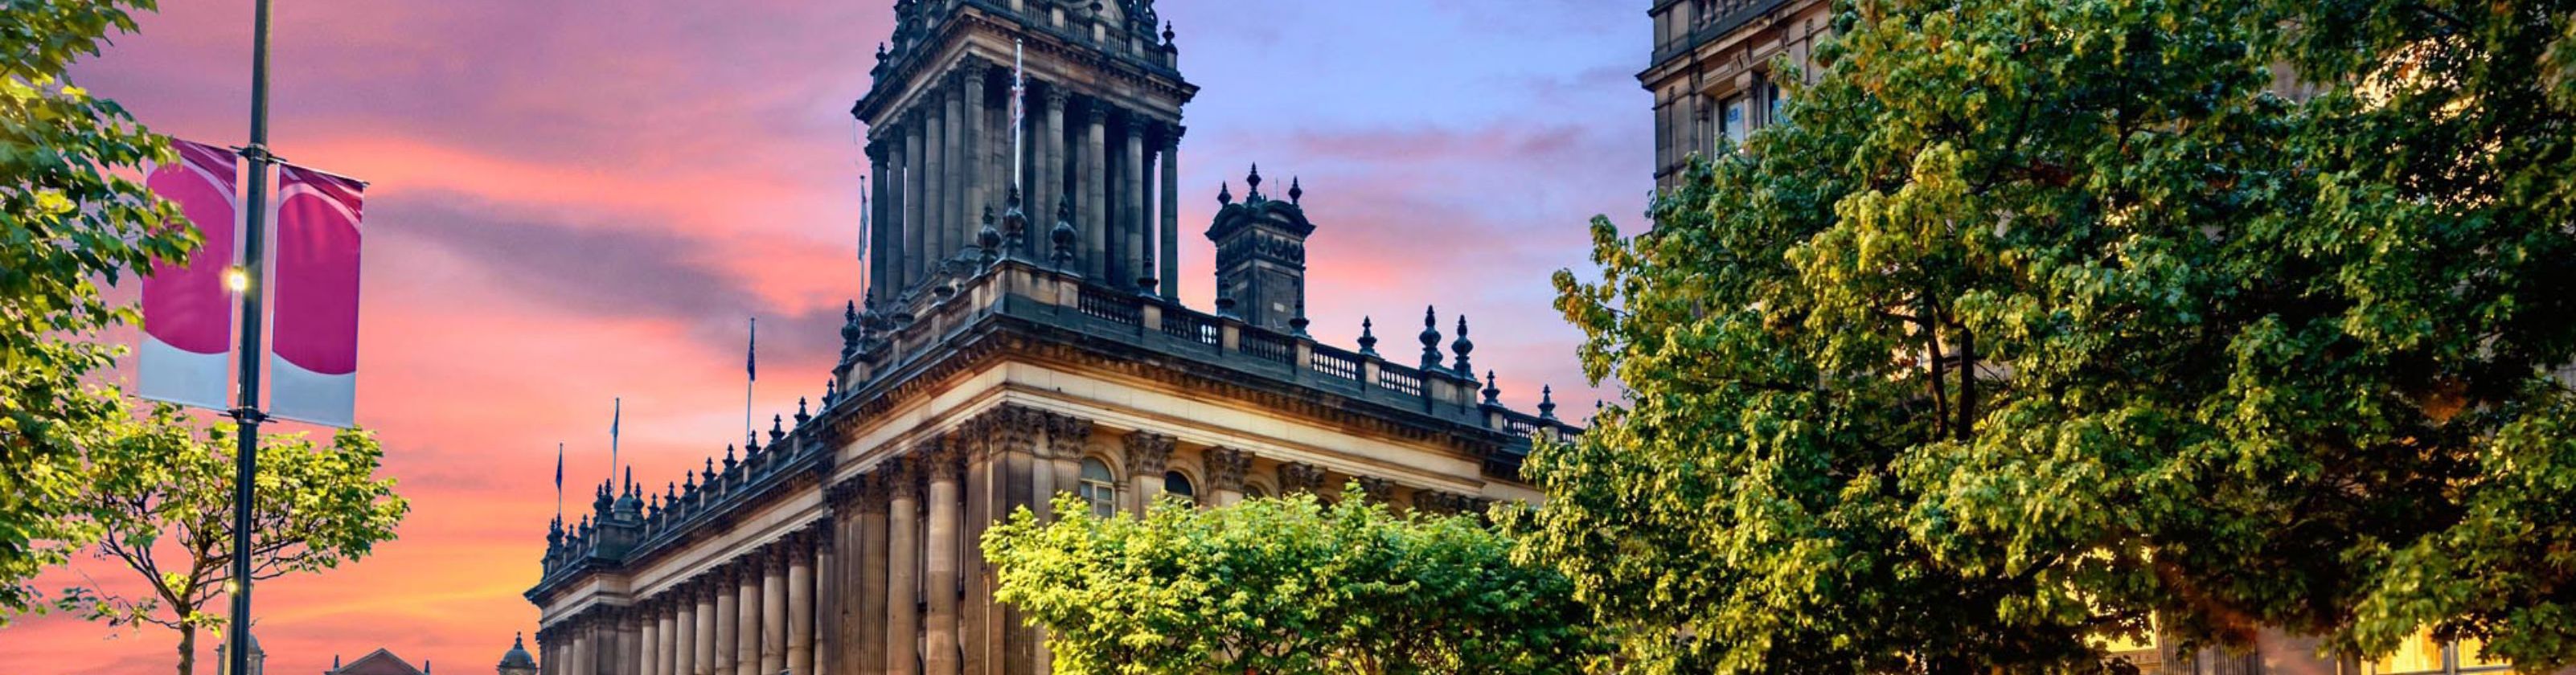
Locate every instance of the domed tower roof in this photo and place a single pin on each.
(518, 659)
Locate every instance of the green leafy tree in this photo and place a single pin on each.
(2047, 322)
(68, 221)
(1285, 585)
(161, 489)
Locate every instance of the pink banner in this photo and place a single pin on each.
(313, 372)
(187, 311)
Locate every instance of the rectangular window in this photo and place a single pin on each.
(1771, 103)
(1731, 120)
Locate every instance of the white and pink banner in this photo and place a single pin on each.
(313, 369)
(187, 311)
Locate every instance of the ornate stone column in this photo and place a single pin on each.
(1066, 437)
(872, 555)
(972, 168)
(916, 199)
(1006, 644)
(1095, 192)
(727, 618)
(1171, 205)
(703, 658)
(939, 190)
(746, 630)
(650, 640)
(581, 662)
(1147, 455)
(1132, 205)
(813, 552)
(684, 626)
(957, 175)
(1050, 179)
(669, 620)
(877, 192)
(773, 608)
(1226, 467)
(903, 567)
(939, 635)
(1042, 487)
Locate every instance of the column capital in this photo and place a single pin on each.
(1066, 435)
(1300, 477)
(820, 535)
(1055, 95)
(1172, 132)
(1226, 467)
(969, 68)
(1147, 453)
(775, 556)
(944, 458)
(1379, 490)
(903, 476)
(877, 486)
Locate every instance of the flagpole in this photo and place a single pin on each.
(1019, 91)
(246, 414)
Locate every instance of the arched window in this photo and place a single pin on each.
(1251, 491)
(1099, 488)
(1178, 484)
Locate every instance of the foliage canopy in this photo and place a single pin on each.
(2045, 322)
(1285, 585)
(68, 221)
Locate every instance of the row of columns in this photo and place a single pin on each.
(944, 163)
(753, 615)
(913, 594)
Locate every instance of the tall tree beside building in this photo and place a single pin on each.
(2048, 322)
(70, 222)
(160, 488)
(1286, 585)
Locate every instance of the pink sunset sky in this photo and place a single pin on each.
(575, 201)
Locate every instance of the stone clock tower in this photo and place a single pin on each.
(1100, 137)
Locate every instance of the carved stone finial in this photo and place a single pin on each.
(1295, 190)
(988, 239)
(777, 428)
(1493, 393)
(1252, 191)
(1546, 403)
(1368, 338)
(1224, 194)
(729, 460)
(1297, 324)
(1015, 223)
(1461, 347)
(1225, 301)
(801, 415)
(1167, 33)
(1430, 339)
(1063, 233)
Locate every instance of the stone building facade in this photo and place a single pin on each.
(1015, 344)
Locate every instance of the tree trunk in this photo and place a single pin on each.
(1967, 384)
(187, 650)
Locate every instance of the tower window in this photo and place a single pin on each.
(1099, 488)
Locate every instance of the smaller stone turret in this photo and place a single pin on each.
(1261, 255)
(517, 661)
